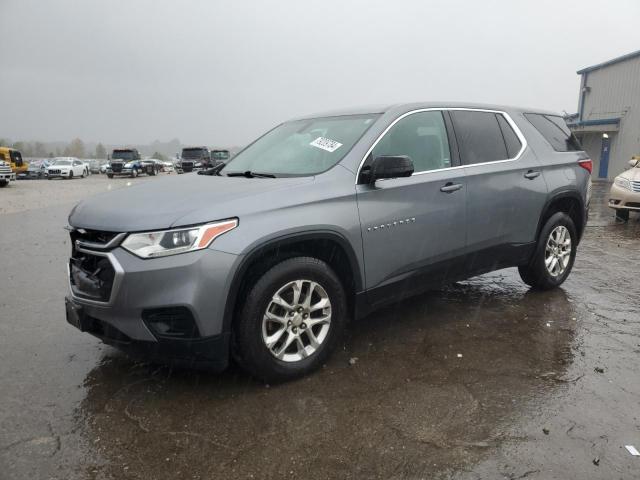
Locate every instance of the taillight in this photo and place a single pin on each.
(587, 164)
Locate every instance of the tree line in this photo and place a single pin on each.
(75, 148)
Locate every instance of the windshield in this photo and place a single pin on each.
(193, 153)
(122, 155)
(62, 162)
(302, 147)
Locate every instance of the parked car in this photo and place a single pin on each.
(322, 220)
(6, 174)
(37, 169)
(624, 196)
(94, 166)
(103, 167)
(66, 167)
(167, 167)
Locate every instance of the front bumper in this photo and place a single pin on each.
(59, 175)
(621, 198)
(8, 177)
(211, 353)
(198, 282)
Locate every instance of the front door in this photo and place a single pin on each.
(413, 228)
(603, 171)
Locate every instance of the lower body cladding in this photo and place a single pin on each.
(167, 309)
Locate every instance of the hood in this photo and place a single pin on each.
(632, 174)
(162, 203)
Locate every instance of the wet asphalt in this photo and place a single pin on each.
(482, 380)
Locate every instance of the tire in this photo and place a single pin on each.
(252, 352)
(622, 214)
(535, 273)
(3, 183)
(71, 175)
(110, 175)
(83, 174)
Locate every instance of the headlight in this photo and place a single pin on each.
(172, 242)
(622, 182)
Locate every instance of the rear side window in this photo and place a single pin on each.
(555, 131)
(479, 136)
(511, 140)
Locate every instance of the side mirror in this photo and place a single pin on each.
(634, 162)
(391, 166)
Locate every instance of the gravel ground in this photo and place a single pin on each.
(482, 380)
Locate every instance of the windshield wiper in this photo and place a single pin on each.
(250, 174)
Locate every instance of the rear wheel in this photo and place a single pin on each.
(110, 175)
(622, 214)
(554, 255)
(291, 320)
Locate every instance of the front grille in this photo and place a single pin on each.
(55, 172)
(91, 276)
(632, 204)
(5, 169)
(187, 166)
(635, 186)
(94, 236)
(116, 167)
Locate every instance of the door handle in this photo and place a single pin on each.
(450, 187)
(531, 174)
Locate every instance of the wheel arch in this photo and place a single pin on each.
(569, 202)
(329, 246)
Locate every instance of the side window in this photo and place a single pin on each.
(479, 137)
(555, 131)
(510, 138)
(422, 137)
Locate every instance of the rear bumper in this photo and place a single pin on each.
(210, 353)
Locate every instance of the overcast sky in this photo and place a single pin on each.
(222, 72)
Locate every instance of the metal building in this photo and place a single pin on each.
(608, 118)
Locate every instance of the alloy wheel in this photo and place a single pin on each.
(297, 320)
(558, 251)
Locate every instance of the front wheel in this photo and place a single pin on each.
(70, 175)
(3, 183)
(554, 255)
(291, 320)
(110, 175)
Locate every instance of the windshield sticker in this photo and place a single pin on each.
(326, 144)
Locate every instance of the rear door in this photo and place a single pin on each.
(412, 228)
(506, 191)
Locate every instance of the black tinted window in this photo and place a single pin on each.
(555, 131)
(510, 138)
(479, 137)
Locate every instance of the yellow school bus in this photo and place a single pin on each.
(14, 158)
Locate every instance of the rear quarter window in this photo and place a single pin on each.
(555, 131)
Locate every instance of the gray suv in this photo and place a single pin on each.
(322, 220)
